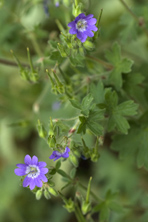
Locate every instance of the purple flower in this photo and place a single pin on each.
(34, 170)
(56, 154)
(83, 26)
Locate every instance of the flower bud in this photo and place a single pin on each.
(46, 194)
(88, 45)
(76, 10)
(38, 194)
(52, 191)
(74, 160)
(85, 207)
(69, 205)
(51, 141)
(41, 130)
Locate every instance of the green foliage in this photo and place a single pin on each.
(91, 97)
(120, 66)
(133, 145)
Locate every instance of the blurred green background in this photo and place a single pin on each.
(23, 23)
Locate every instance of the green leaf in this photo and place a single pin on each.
(75, 103)
(97, 92)
(58, 164)
(82, 126)
(77, 61)
(133, 145)
(120, 65)
(117, 112)
(133, 87)
(56, 56)
(63, 174)
(92, 122)
(86, 104)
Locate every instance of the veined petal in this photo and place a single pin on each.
(20, 172)
(92, 27)
(89, 16)
(32, 184)
(81, 36)
(27, 159)
(73, 31)
(21, 165)
(92, 21)
(71, 24)
(38, 182)
(44, 170)
(43, 177)
(42, 164)
(34, 160)
(81, 16)
(89, 33)
(26, 181)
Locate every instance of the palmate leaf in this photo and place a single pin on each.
(133, 87)
(120, 65)
(117, 112)
(92, 122)
(134, 145)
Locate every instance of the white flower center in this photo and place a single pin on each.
(33, 171)
(81, 25)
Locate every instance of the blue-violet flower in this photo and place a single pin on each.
(33, 170)
(56, 154)
(83, 26)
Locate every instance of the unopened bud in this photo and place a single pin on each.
(85, 207)
(38, 194)
(74, 160)
(46, 194)
(52, 191)
(41, 130)
(51, 141)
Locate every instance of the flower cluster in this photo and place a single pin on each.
(83, 26)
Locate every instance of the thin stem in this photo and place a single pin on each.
(30, 60)
(134, 16)
(79, 213)
(69, 119)
(92, 194)
(35, 44)
(47, 86)
(105, 64)
(10, 63)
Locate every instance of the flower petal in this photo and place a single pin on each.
(34, 160)
(81, 16)
(38, 182)
(21, 165)
(71, 24)
(20, 172)
(53, 155)
(92, 21)
(26, 182)
(73, 30)
(42, 164)
(27, 159)
(81, 36)
(89, 16)
(44, 170)
(89, 33)
(43, 177)
(92, 27)
(32, 184)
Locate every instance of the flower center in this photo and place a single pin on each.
(81, 25)
(32, 171)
